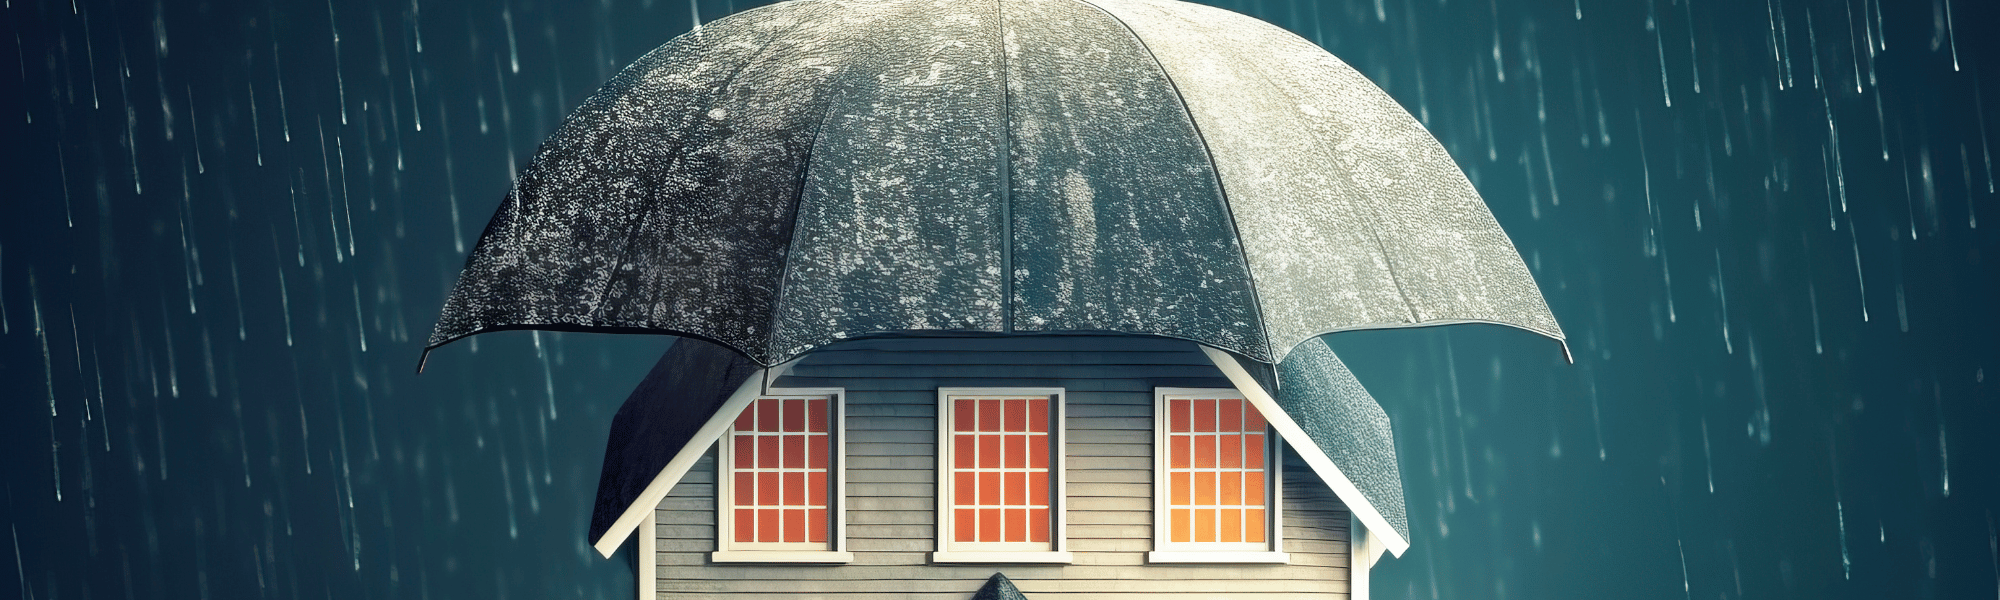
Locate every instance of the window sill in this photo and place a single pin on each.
(781, 556)
(1002, 557)
(1219, 557)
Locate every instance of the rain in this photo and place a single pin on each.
(267, 436)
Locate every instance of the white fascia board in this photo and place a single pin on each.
(1316, 458)
(685, 459)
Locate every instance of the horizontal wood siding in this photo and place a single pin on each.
(891, 474)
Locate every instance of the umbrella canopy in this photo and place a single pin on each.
(818, 170)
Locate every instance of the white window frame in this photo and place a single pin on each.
(728, 550)
(1003, 552)
(1167, 551)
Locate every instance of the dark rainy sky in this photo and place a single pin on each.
(229, 225)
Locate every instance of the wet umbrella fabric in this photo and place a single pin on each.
(814, 170)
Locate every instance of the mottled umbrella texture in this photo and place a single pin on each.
(814, 171)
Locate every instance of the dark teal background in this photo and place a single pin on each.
(229, 225)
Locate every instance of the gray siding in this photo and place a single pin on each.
(891, 472)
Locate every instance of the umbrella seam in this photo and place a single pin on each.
(654, 202)
(1222, 193)
(798, 206)
(1374, 218)
(1006, 159)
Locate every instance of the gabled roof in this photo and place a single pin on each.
(689, 384)
(698, 388)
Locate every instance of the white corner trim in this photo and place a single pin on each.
(771, 556)
(1281, 558)
(684, 460)
(648, 562)
(1364, 550)
(1296, 438)
(1056, 557)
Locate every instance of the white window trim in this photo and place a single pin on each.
(727, 551)
(1058, 552)
(1214, 552)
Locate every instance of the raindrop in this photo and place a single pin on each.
(194, 132)
(360, 324)
(339, 80)
(1707, 457)
(346, 206)
(1944, 457)
(1653, 25)
(256, 132)
(326, 174)
(1694, 59)
(1950, 32)
(1902, 311)
(513, 48)
(1722, 299)
(284, 294)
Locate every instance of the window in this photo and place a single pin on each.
(1215, 484)
(1000, 497)
(779, 494)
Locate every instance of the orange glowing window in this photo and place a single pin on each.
(999, 481)
(1213, 483)
(779, 465)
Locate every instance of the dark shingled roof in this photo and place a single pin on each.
(998, 588)
(687, 386)
(1325, 399)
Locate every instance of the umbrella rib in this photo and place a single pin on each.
(1222, 196)
(798, 205)
(1004, 155)
(654, 202)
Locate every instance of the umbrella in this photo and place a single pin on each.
(819, 170)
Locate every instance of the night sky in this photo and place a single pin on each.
(229, 226)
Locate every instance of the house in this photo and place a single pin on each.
(1097, 465)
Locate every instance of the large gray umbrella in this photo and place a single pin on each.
(818, 170)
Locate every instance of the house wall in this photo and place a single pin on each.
(891, 472)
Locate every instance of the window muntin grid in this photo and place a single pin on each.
(1000, 472)
(1215, 464)
(779, 462)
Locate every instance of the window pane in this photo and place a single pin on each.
(746, 452)
(819, 452)
(989, 488)
(795, 525)
(746, 525)
(1038, 414)
(795, 488)
(795, 414)
(767, 489)
(1179, 455)
(1232, 525)
(1253, 451)
(989, 415)
(816, 487)
(746, 489)
(795, 451)
(767, 525)
(1016, 414)
(747, 421)
(1204, 415)
(1232, 488)
(1182, 490)
(1182, 528)
(1253, 488)
(1038, 451)
(965, 525)
(1038, 488)
(767, 415)
(962, 452)
(1253, 525)
(1038, 525)
(1252, 420)
(989, 525)
(964, 490)
(767, 452)
(1017, 451)
(963, 416)
(1204, 489)
(1177, 416)
(816, 525)
(1017, 525)
(816, 415)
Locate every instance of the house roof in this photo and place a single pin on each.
(1346, 423)
(998, 587)
(698, 387)
(689, 384)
